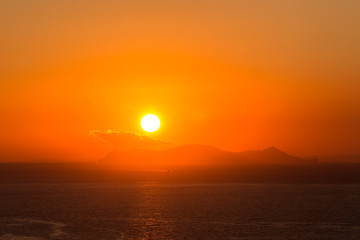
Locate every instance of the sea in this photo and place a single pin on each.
(150, 210)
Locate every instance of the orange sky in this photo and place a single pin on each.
(237, 75)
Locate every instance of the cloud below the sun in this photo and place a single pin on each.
(128, 140)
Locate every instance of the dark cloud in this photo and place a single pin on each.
(126, 140)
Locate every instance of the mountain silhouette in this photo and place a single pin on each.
(198, 155)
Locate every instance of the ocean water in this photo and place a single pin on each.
(150, 210)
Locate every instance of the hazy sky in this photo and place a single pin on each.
(237, 75)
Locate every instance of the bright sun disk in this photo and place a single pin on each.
(150, 123)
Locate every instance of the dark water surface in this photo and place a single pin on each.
(178, 211)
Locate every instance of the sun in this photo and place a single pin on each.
(150, 123)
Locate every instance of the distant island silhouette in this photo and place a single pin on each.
(193, 154)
